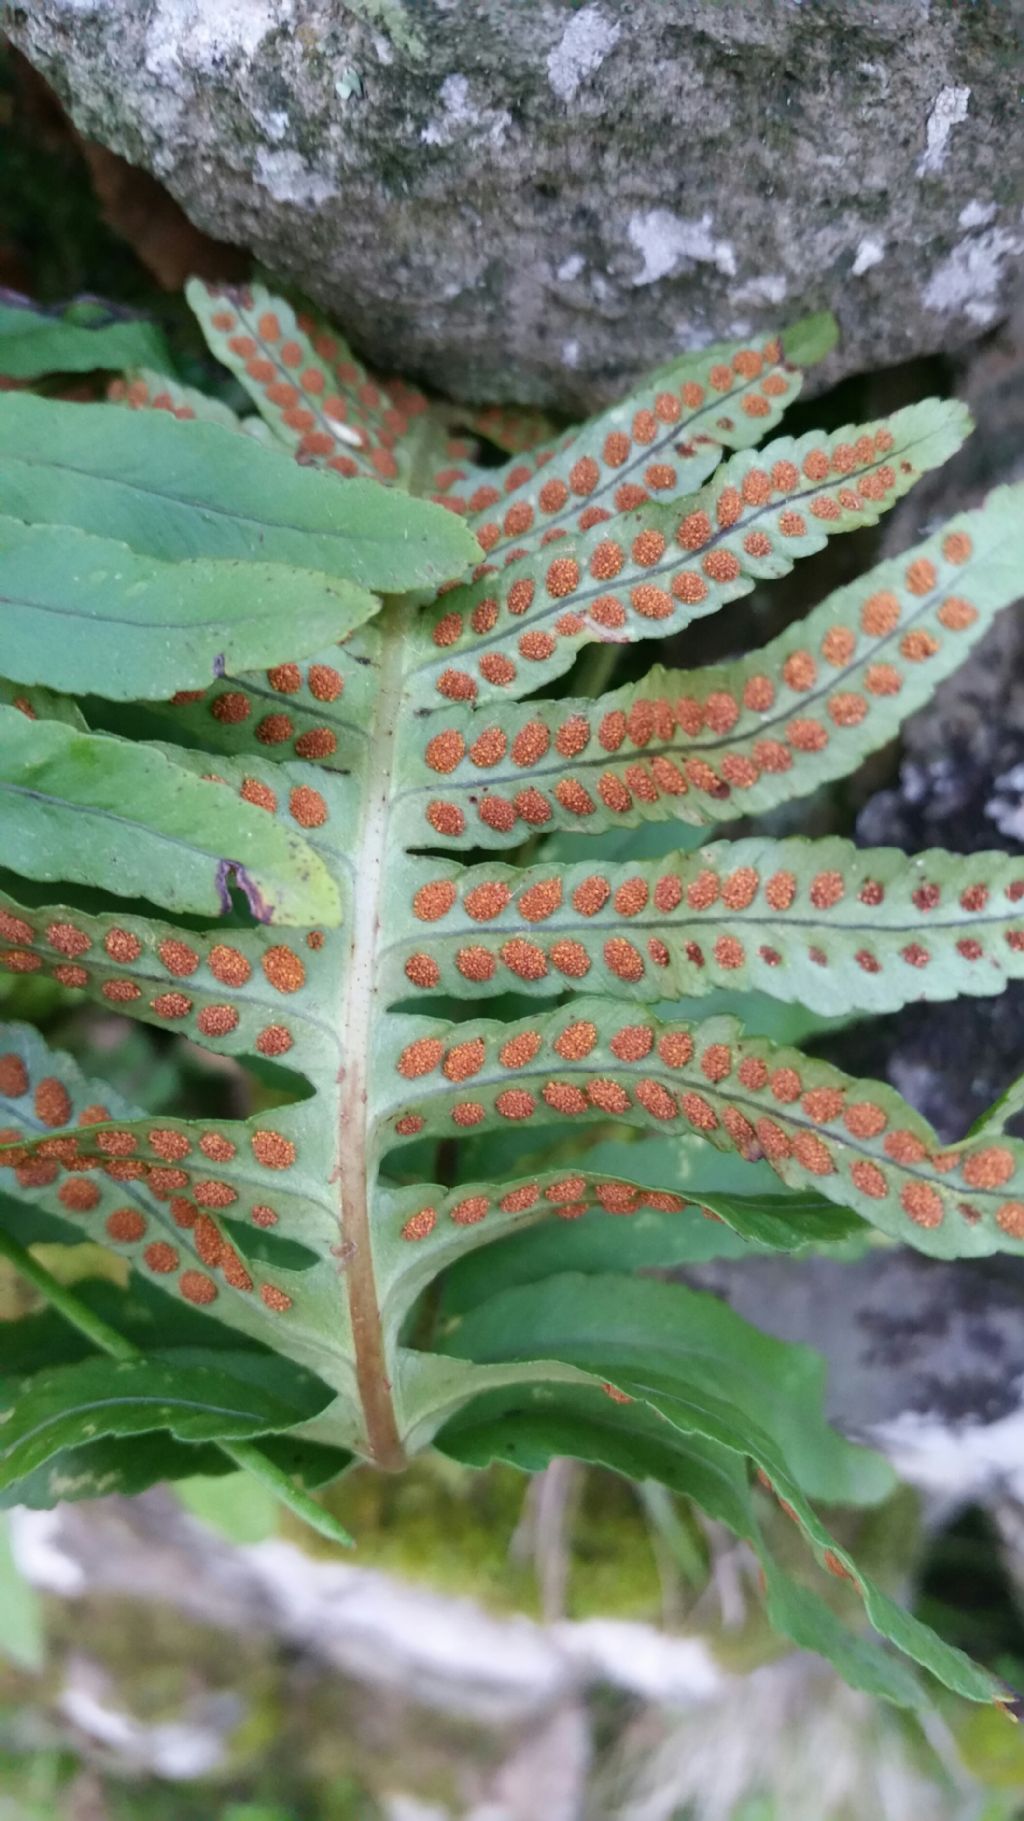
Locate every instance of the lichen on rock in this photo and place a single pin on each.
(534, 202)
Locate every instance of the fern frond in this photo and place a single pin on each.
(857, 1143)
(829, 925)
(240, 992)
(315, 712)
(294, 794)
(598, 1326)
(208, 1219)
(707, 745)
(312, 392)
(182, 490)
(515, 429)
(142, 389)
(67, 594)
(660, 443)
(654, 569)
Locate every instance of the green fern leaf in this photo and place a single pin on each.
(179, 490)
(128, 1397)
(79, 337)
(630, 1229)
(315, 712)
(123, 1180)
(513, 429)
(857, 1143)
(531, 1426)
(221, 988)
(98, 811)
(68, 595)
(41, 704)
(598, 1323)
(605, 1326)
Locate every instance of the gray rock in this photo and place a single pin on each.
(925, 1359)
(535, 201)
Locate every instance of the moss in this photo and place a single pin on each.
(309, 1748)
(394, 19)
(154, 1655)
(455, 1529)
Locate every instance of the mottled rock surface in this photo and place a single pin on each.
(925, 1359)
(535, 201)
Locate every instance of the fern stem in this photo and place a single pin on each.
(359, 1013)
(242, 1454)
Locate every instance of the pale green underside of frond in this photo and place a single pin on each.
(313, 774)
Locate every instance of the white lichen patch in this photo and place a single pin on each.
(1006, 808)
(768, 288)
(581, 50)
(963, 1461)
(274, 122)
(977, 214)
(290, 179)
(176, 1750)
(38, 1552)
(689, 335)
(870, 252)
(461, 118)
(667, 242)
(969, 280)
(571, 268)
(191, 32)
(948, 109)
(683, 1671)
